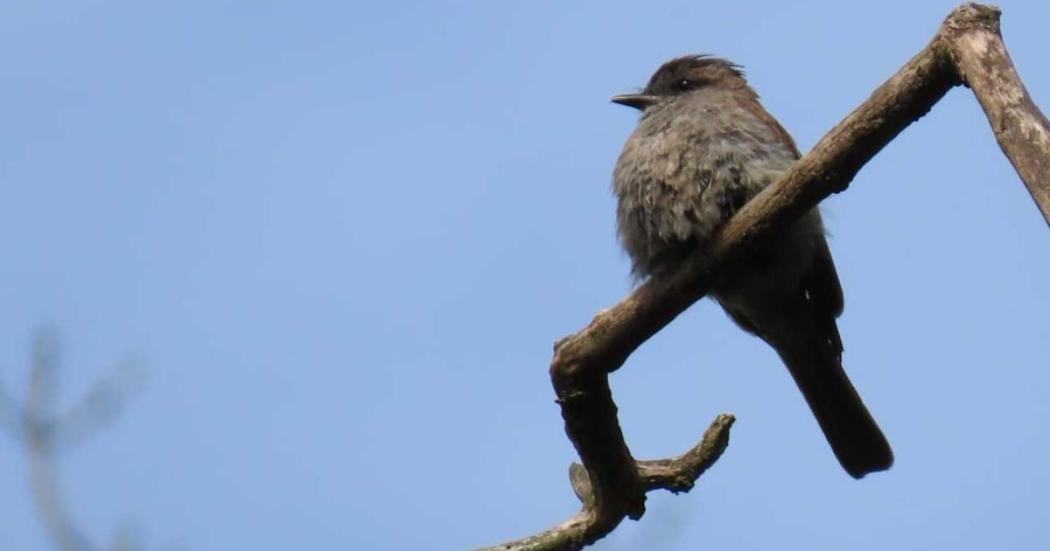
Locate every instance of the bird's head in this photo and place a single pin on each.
(684, 75)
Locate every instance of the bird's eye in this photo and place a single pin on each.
(685, 84)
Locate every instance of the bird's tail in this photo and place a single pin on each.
(813, 355)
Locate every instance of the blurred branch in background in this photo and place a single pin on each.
(45, 432)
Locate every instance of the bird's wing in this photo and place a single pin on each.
(755, 108)
(822, 281)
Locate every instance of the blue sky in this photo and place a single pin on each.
(342, 238)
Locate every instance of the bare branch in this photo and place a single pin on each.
(44, 432)
(39, 437)
(967, 46)
(676, 475)
(100, 406)
(679, 474)
(1020, 127)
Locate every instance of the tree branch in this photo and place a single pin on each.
(44, 433)
(39, 431)
(967, 47)
(1021, 129)
(675, 475)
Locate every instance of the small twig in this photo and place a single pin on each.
(676, 475)
(679, 474)
(99, 407)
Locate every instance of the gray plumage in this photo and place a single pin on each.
(703, 147)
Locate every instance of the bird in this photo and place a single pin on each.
(703, 147)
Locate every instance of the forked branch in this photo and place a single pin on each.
(45, 433)
(967, 49)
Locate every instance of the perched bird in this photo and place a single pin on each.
(705, 146)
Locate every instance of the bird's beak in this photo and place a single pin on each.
(638, 101)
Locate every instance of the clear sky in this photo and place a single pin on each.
(343, 236)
